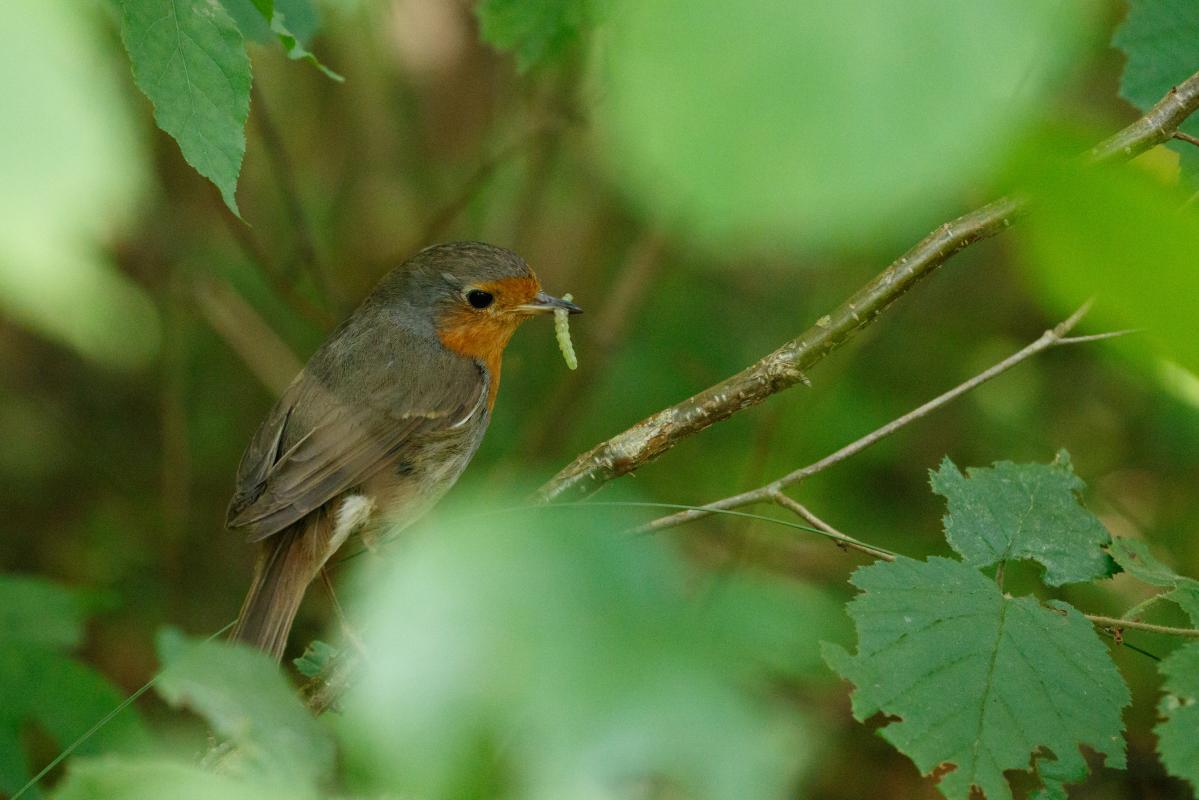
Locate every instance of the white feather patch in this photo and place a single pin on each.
(354, 512)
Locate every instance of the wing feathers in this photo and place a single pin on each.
(317, 442)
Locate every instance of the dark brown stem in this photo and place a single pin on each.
(253, 250)
(276, 151)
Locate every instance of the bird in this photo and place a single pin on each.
(380, 422)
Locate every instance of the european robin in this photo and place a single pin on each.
(380, 422)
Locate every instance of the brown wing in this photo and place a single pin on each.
(324, 437)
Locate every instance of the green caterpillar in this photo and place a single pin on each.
(562, 333)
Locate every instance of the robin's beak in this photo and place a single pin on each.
(543, 303)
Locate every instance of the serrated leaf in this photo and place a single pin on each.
(1055, 776)
(1160, 39)
(152, 779)
(1135, 559)
(302, 19)
(296, 51)
(244, 697)
(189, 58)
(979, 681)
(536, 32)
(271, 13)
(1178, 734)
(1023, 511)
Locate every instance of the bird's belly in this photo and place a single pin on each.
(417, 479)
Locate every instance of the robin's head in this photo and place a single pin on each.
(473, 294)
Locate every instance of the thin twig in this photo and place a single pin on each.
(276, 151)
(244, 237)
(343, 619)
(1054, 337)
(176, 442)
(1140, 607)
(1186, 137)
(1119, 624)
(842, 540)
(784, 368)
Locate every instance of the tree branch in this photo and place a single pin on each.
(1054, 337)
(285, 176)
(783, 368)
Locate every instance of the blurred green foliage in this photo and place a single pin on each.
(1118, 235)
(544, 654)
(250, 705)
(672, 167)
(72, 171)
(821, 127)
(44, 688)
(537, 32)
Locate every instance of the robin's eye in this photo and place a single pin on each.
(479, 298)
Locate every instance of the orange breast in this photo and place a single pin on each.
(484, 335)
(484, 338)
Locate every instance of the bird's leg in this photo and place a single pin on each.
(343, 621)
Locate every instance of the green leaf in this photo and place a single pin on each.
(316, 659)
(39, 613)
(979, 681)
(43, 686)
(249, 21)
(291, 44)
(1097, 232)
(1178, 734)
(189, 58)
(576, 662)
(246, 700)
(296, 51)
(73, 173)
(812, 124)
(153, 779)
(1135, 559)
(536, 32)
(1031, 511)
(1055, 776)
(302, 17)
(1161, 41)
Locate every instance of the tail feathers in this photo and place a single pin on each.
(287, 564)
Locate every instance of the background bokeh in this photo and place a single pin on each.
(140, 347)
